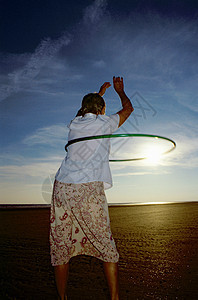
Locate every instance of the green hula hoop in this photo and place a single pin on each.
(105, 136)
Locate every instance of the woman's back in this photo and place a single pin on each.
(90, 125)
(88, 161)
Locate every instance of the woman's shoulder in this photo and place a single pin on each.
(111, 120)
(108, 117)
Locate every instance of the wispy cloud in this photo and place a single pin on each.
(186, 154)
(43, 54)
(34, 170)
(138, 173)
(94, 12)
(50, 135)
(158, 57)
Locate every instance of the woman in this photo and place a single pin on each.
(79, 211)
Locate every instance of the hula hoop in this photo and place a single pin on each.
(105, 136)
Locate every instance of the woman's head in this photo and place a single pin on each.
(92, 103)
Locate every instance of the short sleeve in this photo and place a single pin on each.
(114, 122)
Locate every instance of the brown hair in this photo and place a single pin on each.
(91, 103)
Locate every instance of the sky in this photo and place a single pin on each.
(52, 53)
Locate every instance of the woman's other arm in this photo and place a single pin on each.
(103, 88)
(127, 107)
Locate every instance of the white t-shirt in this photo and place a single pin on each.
(88, 161)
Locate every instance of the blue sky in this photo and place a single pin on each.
(51, 57)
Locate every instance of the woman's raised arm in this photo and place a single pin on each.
(127, 107)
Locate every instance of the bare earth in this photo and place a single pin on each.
(158, 246)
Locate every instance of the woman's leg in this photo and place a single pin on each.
(111, 272)
(61, 277)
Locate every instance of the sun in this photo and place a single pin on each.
(153, 155)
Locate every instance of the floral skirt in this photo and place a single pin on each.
(79, 223)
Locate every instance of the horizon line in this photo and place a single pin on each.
(22, 205)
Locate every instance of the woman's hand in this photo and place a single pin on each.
(118, 84)
(103, 88)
